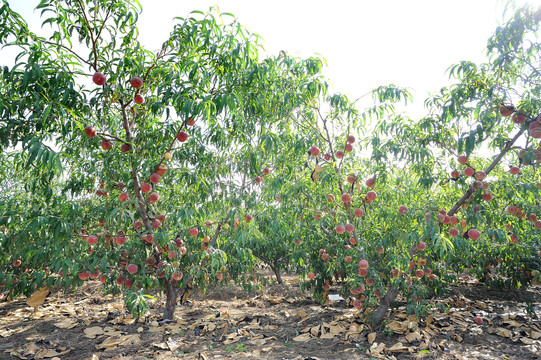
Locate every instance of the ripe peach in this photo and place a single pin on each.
(358, 212)
(155, 178)
(363, 264)
(99, 79)
(419, 273)
(314, 151)
(487, 196)
(363, 272)
(371, 195)
(123, 197)
(340, 229)
(139, 99)
(162, 169)
(327, 156)
(453, 232)
(248, 218)
(474, 234)
(403, 209)
(90, 131)
(153, 198)
(84, 275)
(119, 240)
(480, 175)
(350, 228)
(330, 198)
(132, 268)
(351, 178)
(339, 154)
(514, 170)
(92, 240)
(421, 246)
(351, 139)
(191, 121)
(182, 136)
(311, 276)
(138, 225)
(266, 171)
(258, 179)
(370, 183)
(194, 231)
(149, 238)
(125, 147)
(106, 145)
(136, 82)
(352, 240)
(348, 148)
(455, 174)
(156, 224)
(469, 171)
(325, 256)
(146, 188)
(518, 118)
(346, 198)
(462, 159)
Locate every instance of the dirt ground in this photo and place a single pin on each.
(279, 322)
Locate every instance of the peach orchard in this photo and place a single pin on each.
(188, 166)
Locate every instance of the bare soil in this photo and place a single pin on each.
(278, 322)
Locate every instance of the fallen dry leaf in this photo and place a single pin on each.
(93, 332)
(66, 323)
(398, 347)
(37, 298)
(302, 338)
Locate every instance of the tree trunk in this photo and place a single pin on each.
(276, 270)
(384, 304)
(170, 301)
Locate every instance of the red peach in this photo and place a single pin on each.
(153, 198)
(139, 99)
(182, 136)
(99, 79)
(90, 131)
(136, 82)
(146, 188)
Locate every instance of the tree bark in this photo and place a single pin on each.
(276, 270)
(384, 304)
(171, 301)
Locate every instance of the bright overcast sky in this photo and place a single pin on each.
(366, 43)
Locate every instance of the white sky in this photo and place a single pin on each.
(367, 43)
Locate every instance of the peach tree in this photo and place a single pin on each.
(132, 159)
(403, 206)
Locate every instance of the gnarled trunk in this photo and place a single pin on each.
(384, 304)
(170, 301)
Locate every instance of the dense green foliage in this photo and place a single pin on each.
(257, 161)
